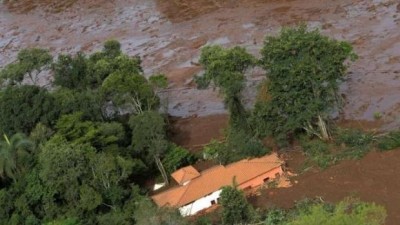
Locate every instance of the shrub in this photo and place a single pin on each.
(319, 152)
(390, 141)
(275, 217)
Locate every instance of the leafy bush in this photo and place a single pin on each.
(390, 141)
(356, 142)
(238, 145)
(353, 137)
(177, 157)
(319, 152)
(275, 217)
(22, 107)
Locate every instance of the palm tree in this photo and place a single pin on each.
(12, 151)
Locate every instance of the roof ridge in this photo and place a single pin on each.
(212, 168)
(183, 194)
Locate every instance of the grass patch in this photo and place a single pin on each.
(354, 143)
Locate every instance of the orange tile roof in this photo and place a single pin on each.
(216, 177)
(185, 174)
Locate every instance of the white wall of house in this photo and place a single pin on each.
(199, 204)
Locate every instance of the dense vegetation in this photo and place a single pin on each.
(77, 154)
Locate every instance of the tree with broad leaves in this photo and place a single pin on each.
(225, 69)
(235, 208)
(29, 62)
(149, 137)
(304, 70)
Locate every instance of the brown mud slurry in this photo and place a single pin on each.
(194, 132)
(375, 178)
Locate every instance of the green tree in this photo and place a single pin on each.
(177, 157)
(88, 102)
(131, 91)
(70, 71)
(22, 107)
(75, 129)
(149, 137)
(235, 208)
(13, 152)
(225, 69)
(112, 49)
(88, 72)
(237, 145)
(304, 69)
(63, 170)
(29, 62)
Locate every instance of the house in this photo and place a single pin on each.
(198, 191)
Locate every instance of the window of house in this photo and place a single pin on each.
(266, 180)
(213, 202)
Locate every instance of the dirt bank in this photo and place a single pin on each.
(169, 34)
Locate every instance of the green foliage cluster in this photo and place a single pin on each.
(312, 212)
(235, 208)
(82, 72)
(349, 144)
(225, 69)
(22, 107)
(238, 145)
(30, 62)
(389, 141)
(304, 69)
(356, 143)
(73, 159)
(319, 152)
(177, 157)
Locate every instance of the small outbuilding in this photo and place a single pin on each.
(199, 191)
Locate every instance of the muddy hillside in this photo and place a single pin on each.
(168, 36)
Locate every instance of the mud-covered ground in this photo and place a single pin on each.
(169, 35)
(373, 179)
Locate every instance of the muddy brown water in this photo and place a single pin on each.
(169, 35)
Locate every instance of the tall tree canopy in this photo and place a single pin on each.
(82, 72)
(149, 137)
(21, 107)
(225, 69)
(29, 62)
(304, 70)
(235, 208)
(130, 90)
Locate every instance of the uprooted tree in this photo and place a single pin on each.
(304, 70)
